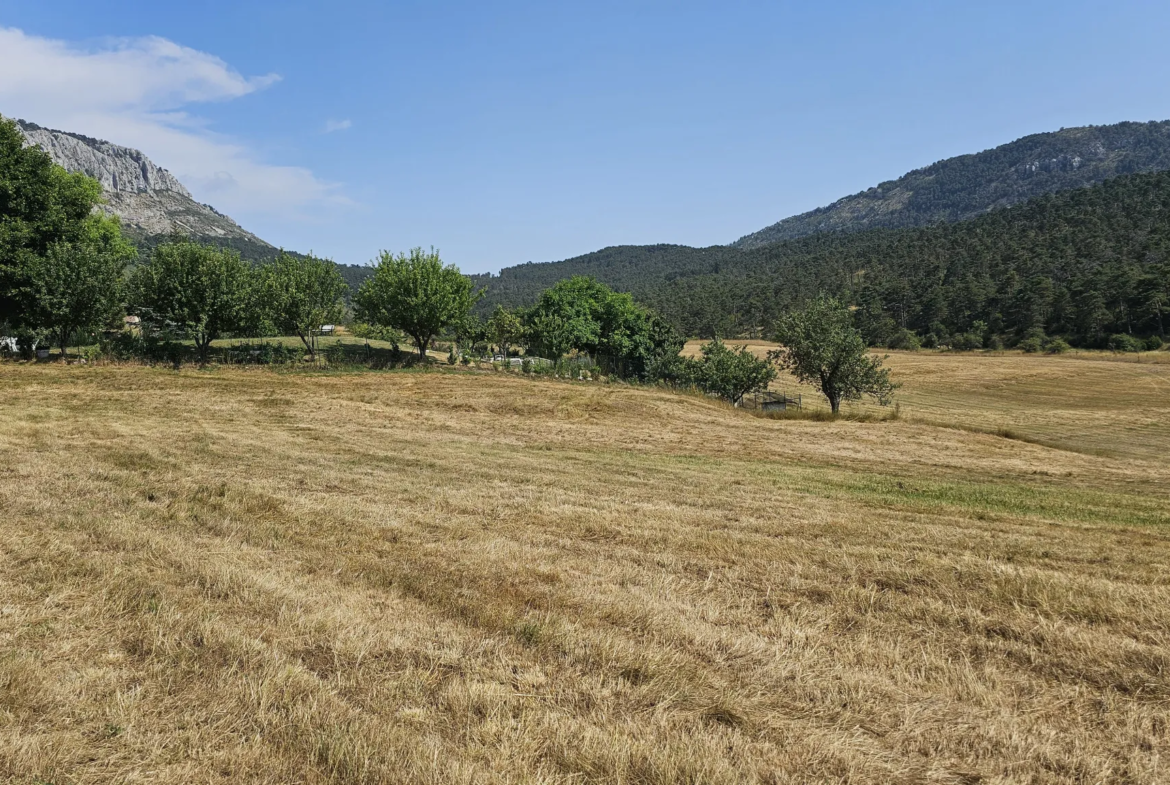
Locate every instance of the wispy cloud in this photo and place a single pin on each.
(337, 125)
(138, 92)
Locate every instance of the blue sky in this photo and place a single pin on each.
(503, 132)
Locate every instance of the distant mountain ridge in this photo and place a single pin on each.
(966, 186)
(150, 201)
(1084, 263)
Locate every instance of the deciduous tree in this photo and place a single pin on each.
(505, 328)
(822, 347)
(582, 314)
(732, 374)
(300, 294)
(193, 290)
(41, 205)
(77, 285)
(415, 293)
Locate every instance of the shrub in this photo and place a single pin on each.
(260, 354)
(150, 349)
(904, 339)
(930, 341)
(1056, 346)
(966, 342)
(373, 332)
(995, 344)
(1124, 343)
(1032, 345)
(89, 353)
(369, 356)
(1154, 343)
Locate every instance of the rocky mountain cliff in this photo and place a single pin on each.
(960, 188)
(149, 200)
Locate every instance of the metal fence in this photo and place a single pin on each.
(772, 401)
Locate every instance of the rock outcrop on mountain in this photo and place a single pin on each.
(149, 200)
(969, 185)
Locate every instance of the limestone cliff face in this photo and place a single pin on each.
(148, 199)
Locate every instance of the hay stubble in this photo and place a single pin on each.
(446, 577)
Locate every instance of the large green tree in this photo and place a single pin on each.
(195, 291)
(41, 205)
(587, 316)
(300, 294)
(78, 285)
(415, 293)
(822, 347)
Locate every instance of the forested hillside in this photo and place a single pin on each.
(1085, 263)
(966, 186)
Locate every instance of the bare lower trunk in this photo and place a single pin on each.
(422, 346)
(203, 345)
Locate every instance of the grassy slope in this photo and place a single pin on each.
(1117, 404)
(240, 575)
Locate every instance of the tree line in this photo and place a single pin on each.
(67, 273)
(821, 345)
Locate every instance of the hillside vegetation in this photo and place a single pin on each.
(965, 186)
(1086, 264)
(249, 576)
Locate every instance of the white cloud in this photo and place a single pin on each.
(136, 92)
(337, 125)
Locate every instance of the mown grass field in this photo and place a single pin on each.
(1115, 404)
(244, 575)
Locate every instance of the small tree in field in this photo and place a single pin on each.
(732, 374)
(822, 347)
(301, 294)
(504, 327)
(195, 290)
(415, 293)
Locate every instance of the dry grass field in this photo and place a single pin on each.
(449, 577)
(1095, 402)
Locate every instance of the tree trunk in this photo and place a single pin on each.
(422, 346)
(308, 345)
(835, 402)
